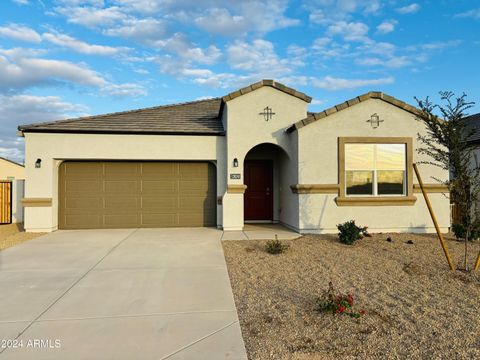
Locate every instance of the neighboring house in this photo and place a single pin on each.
(254, 155)
(10, 170)
(14, 172)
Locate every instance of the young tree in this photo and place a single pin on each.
(446, 143)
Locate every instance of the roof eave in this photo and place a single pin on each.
(123, 132)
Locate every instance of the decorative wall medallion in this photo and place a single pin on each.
(267, 113)
(375, 120)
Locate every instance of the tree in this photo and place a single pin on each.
(446, 143)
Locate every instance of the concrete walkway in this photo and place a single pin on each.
(119, 294)
(261, 232)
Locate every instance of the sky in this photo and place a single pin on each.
(71, 58)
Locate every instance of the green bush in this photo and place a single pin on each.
(349, 232)
(275, 247)
(459, 231)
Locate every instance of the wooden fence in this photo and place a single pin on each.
(5, 202)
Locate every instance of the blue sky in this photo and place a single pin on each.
(68, 58)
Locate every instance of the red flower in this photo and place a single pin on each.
(341, 309)
(363, 312)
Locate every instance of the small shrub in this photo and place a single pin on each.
(337, 304)
(460, 233)
(275, 246)
(349, 232)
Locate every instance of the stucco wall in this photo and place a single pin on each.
(318, 164)
(8, 169)
(246, 129)
(53, 148)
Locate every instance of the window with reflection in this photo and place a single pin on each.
(375, 169)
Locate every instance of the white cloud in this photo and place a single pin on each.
(409, 9)
(248, 16)
(473, 14)
(24, 109)
(19, 32)
(92, 16)
(81, 46)
(21, 2)
(332, 83)
(387, 26)
(393, 62)
(350, 31)
(179, 44)
(144, 31)
(122, 90)
(26, 72)
(259, 56)
(327, 12)
(440, 45)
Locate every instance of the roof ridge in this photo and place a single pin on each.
(63, 121)
(356, 100)
(267, 82)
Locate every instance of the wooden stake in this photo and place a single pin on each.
(434, 219)
(477, 263)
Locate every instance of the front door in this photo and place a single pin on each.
(258, 199)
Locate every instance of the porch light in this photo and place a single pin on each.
(38, 163)
(235, 162)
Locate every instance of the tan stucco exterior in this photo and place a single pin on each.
(11, 171)
(308, 155)
(318, 149)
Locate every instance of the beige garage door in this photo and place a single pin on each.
(94, 195)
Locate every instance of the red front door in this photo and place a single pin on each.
(258, 198)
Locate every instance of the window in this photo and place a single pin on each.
(375, 169)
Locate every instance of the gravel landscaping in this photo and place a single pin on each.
(14, 234)
(415, 306)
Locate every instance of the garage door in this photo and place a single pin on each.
(94, 195)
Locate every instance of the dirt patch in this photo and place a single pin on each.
(416, 307)
(14, 234)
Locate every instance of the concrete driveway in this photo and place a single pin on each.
(118, 294)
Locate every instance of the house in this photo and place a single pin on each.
(254, 155)
(10, 170)
(12, 192)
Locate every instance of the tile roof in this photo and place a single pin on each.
(271, 83)
(312, 117)
(473, 122)
(197, 117)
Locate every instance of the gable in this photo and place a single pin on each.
(313, 117)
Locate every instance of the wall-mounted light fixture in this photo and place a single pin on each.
(235, 162)
(38, 163)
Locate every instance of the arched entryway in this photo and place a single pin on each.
(264, 166)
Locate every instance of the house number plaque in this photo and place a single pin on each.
(235, 176)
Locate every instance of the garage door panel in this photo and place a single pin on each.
(161, 204)
(121, 220)
(121, 187)
(136, 194)
(83, 186)
(115, 170)
(166, 170)
(120, 204)
(83, 203)
(83, 221)
(162, 220)
(159, 187)
(85, 170)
